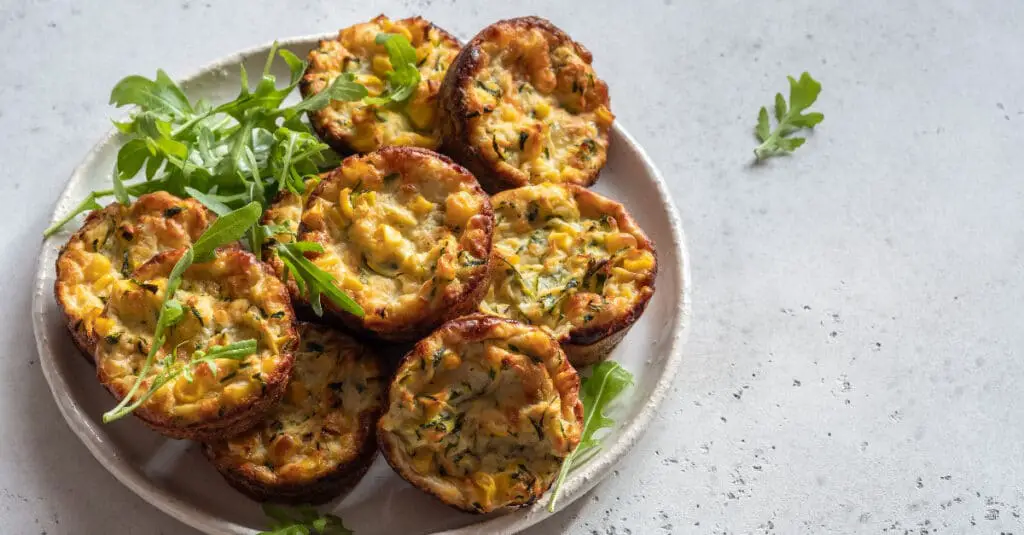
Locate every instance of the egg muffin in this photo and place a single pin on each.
(110, 245)
(482, 413)
(572, 262)
(232, 298)
(361, 127)
(407, 234)
(321, 438)
(522, 105)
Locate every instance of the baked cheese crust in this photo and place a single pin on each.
(360, 127)
(232, 298)
(523, 106)
(110, 245)
(572, 262)
(407, 234)
(482, 413)
(320, 439)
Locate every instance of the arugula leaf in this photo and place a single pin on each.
(302, 520)
(226, 229)
(802, 93)
(607, 382)
(404, 77)
(161, 95)
(344, 87)
(210, 201)
(311, 280)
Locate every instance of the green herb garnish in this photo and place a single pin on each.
(404, 77)
(607, 381)
(302, 520)
(311, 280)
(802, 93)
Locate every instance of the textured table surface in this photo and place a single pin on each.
(855, 359)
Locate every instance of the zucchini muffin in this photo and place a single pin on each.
(522, 105)
(482, 413)
(361, 127)
(110, 245)
(321, 438)
(572, 262)
(232, 298)
(407, 234)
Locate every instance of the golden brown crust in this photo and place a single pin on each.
(233, 296)
(320, 439)
(357, 127)
(424, 300)
(512, 470)
(586, 338)
(110, 244)
(462, 111)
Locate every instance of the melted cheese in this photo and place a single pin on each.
(324, 420)
(403, 232)
(567, 259)
(536, 109)
(484, 416)
(229, 299)
(115, 241)
(367, 127)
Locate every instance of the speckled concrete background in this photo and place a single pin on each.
(855, 360)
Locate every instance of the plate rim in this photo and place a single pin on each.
(581, 481)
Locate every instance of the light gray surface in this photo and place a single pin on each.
(854, 362)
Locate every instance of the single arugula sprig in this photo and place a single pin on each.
(311, 280)
(802, 93)
(404, 76)
(302, 520)
(607, 381)
(243, 150)
(225, 230)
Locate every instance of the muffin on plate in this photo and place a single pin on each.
(482, 413)
(110, 245)
(522, 105)
(407, 234)
(572, 262)
(361, 127)
(232, 298)
(321, 438)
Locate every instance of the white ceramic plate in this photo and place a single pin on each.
(173, 475)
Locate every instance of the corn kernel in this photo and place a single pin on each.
(345, 202)
(604, 116)
(512, 259)
(560, 240)
(486, 484)
(421, 115)
(103, 282)
(615, 242)
(643, 263)
(508, 113)
(420, 205)
(542, 110)
(350, 282)
(459, 208)
(98, 267)
(186, 392)
(381, 64)
(103, 326)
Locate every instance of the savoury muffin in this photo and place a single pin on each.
(572, 262)
(361, 127)
(522, 105)
(232, 298)
(482, 413)
(407, 234)
(110, 245)
(320, 439)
